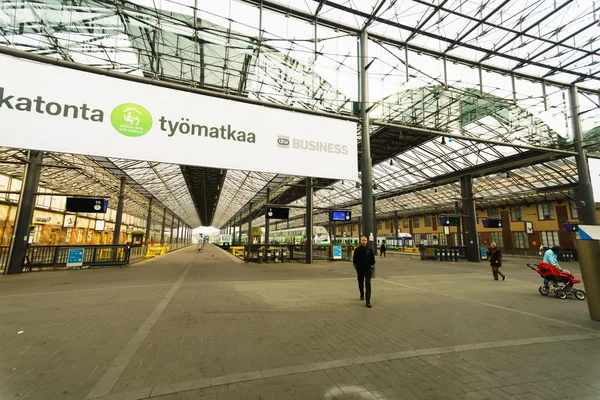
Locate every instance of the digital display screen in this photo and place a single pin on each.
(277, 213)
(340, 216)
(492, 223)
(86, 205)
(450, 221)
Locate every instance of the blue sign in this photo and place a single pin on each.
(340, 216)
(75, 258)
(337, 252)
(570, 227)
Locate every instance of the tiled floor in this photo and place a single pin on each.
(189, 326)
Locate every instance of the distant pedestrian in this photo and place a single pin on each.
(364, 262)
(495, 258)
(382, 249)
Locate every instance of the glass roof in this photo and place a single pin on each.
(469, 69)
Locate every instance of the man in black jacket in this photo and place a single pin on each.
(364, 261)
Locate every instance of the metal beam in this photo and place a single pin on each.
(339, 26)
(555, 10)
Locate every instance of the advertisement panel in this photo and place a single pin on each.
(45, 107)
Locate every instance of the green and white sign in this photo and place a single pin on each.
(131, 120)
(50, 108)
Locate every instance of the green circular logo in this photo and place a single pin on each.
(131, 120)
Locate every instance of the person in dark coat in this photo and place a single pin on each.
(496, 261)
(382, 249)
(364, 262)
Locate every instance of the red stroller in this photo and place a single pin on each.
(557, 277)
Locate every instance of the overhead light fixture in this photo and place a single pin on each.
(443, 140)
(508, 174)
(391, 162)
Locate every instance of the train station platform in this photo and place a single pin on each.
(191, 325)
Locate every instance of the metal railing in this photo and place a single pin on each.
(42, 257)
(52, 257)
(291, 253)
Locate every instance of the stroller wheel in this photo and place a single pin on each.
(580, 294)
(544, 290)
(561, 294)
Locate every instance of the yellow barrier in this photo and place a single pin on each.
(156, 251)
(237, 251)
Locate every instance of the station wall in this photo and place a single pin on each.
(546, 220)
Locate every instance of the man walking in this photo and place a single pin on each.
(364, 261)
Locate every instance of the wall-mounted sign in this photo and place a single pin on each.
(529, 227)
(43, 219)
(99, 225)
(130, 120)
(70, 221)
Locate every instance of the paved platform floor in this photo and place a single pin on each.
(203, 326)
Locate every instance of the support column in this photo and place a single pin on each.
(240, 230)
(469, 218)
(20, 239)
(149, 222)
(172, 223)
(366, 162)
(585, 195)
(267, 227)
(375, 225)
(396, 223)
(309, 220)
(162, 230)
(178, 228)
(119, 217)
(250, 225)
(232, 229)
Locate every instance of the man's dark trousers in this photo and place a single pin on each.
(364, 279)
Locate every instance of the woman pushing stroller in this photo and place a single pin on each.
(551, 257)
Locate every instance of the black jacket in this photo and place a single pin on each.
(495, 257)
(364, 258)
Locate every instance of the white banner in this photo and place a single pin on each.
(51, 108)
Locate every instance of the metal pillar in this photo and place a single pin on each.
(172, 223)
(20, 238)
(396, 223)
(149, 222)
(178, 228)
(375, 225)
(585, 194)
(470, 220)
(366, 162)
(119, 217)
(267, 221)
(250, 225)
(162, 230)
(240, 231)
(309, 221)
